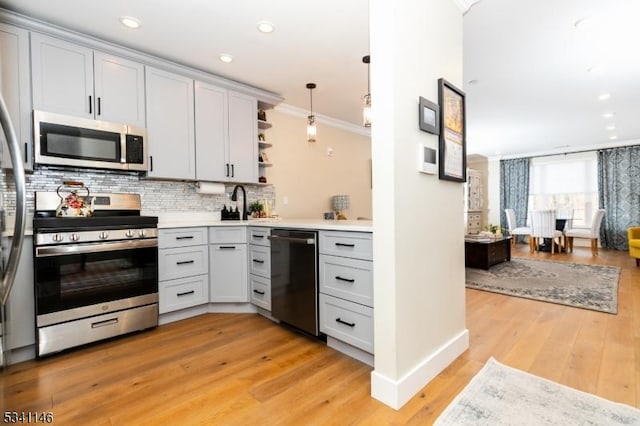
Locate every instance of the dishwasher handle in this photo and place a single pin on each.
(308, 241)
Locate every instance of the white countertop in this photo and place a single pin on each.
(192, 219)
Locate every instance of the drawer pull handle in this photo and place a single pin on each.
(227, 247)
(349, 280)
(185, 262)
(258, 236)
(186, 293)
(104, 323)
(187, 237)
(350, 324)
(261, 293)
(345, 245)
(258, 261)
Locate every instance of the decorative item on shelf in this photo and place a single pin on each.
(262, 157)
(257, 209)
(261, 137)
(494, 230)
(72, 204)
(262, 179)
(366, 100)
(311, 119)
(340, 203)
(262, 115)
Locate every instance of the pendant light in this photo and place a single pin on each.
(311, 120)
(366, 100)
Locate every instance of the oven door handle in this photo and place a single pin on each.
(95, 247)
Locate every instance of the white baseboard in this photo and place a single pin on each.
(352, 351)
(395, 393)
(232, 308)
(182, 314)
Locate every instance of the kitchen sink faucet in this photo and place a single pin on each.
(234, 197)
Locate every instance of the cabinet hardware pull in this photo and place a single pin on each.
(26, 152)
(99, 105)
(227, 247)
(104, 323)
(185, 262)
(186, 237)
(349, 280)
(227, 165)
(151, 163)
(90, 102)
(186, 293)
(345, 245)
(261, 293)
(233, 170)
(253, 236)
(258, 261)
(350, 324)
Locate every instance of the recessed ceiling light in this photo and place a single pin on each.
(613, 138)
(608, 114)
(265, 27)
(130, 22)
(226, 58)
(604, 96)
(611, 127)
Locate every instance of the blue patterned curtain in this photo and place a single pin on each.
(619, 194)
(514, 189)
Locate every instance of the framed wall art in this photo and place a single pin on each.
(453, 145)
(429, 116)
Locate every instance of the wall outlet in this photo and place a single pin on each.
(329, 152)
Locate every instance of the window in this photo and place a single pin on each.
(565, 182)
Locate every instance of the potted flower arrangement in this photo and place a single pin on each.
(257, 209)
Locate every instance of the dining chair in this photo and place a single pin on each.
(543, 225)
(514, 229)
(567, 216)
(592, 233)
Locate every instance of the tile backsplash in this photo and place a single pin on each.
(156, 195)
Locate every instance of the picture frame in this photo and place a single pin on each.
(429, 116)
(452, 152)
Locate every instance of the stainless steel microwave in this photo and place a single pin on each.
(62, 140)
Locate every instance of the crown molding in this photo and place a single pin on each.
(324, 119)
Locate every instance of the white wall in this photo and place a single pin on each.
(418, 219)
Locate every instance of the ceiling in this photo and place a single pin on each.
(532, 91)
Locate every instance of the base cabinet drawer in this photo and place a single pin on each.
(357, 245)
(259, 236)
(346, 278)
(182, 262)
(182, 237)
(347, 321)
(183, 293)
(260, 260)
(260, 291)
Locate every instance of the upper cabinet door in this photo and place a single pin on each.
(211, 133)
(243, 138)
(170, 125)
(119, 90)
(14, 85)
(62, 76)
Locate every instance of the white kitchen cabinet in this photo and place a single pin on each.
(226, 135)
(170, 125)
(346, 292)
(183, 268)
(260, 267)
(20, 325)
(71, 79)
(228, 272)
(16, 90)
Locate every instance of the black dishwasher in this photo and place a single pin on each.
(294, 278)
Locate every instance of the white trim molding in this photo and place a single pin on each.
(465, 5)
(395, 393)
(324, 119)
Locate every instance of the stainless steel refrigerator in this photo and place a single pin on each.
(9, 263)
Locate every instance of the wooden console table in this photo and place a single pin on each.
(483, 254)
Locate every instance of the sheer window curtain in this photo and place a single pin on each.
(514, 189)
(619, 194)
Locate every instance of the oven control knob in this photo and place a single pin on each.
(57, 238)
(74, 237)
(103, 235)
(142, 233)
(129, 233)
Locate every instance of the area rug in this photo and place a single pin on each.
(501, 395)
(583, 286)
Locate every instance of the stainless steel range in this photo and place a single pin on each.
(95, 277)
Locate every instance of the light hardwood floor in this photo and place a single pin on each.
(243, 369)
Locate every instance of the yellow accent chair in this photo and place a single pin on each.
(634, 243)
